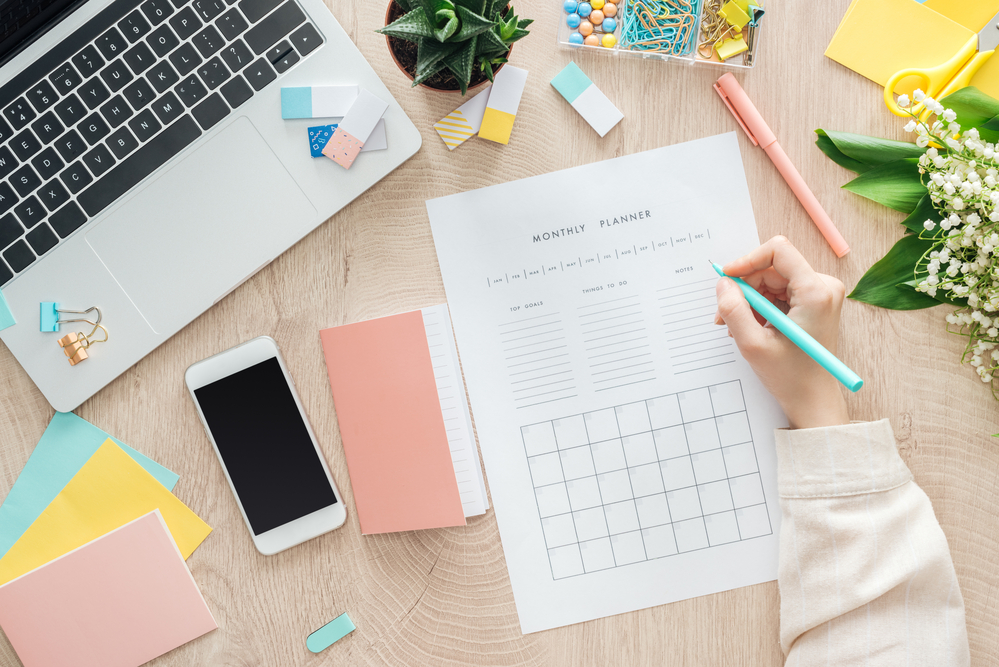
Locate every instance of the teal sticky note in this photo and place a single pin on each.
(334, 631)
(571, 82)
(6, 317)
(296, 103)
(66, 445)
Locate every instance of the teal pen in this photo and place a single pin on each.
(796, 334)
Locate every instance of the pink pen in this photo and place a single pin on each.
(759, 132)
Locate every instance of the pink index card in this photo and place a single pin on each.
(118, 601)
(355, 128)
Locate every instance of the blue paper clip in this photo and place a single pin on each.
(48, 316)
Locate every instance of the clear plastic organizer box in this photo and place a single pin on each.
(678, 31)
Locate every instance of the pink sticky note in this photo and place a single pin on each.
(118, 601)
(355, 128)
(391, 423)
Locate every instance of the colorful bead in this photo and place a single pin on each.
(596, 17)
(585, 28)
(584, 9)
(592, 40)
(596, 4)
(610, 9)
(576, 39)
(570, 6)
(608, 41)
(609, 25)
(573, 21)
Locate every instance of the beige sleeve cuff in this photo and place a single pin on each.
(838, 460)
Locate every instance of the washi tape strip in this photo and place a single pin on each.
(332, 632)
(355, 128)
(464, 122)
(504, 98)
(317, 101)
(587, 99)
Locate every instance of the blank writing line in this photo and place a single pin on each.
(527, 319)
(697, 361)
(555, 391)
(615, 317)
(540, 333)
(592, 305)
(540, 342)
(690, 370)
(686, 319)
(615, 361)
(547, 384)
(546, 324)
(695, 291)
(541, 377)
(696, 282)
(531, 405)
(626, 384)
(538, 352)
(534, 370)
(538, 361)
(620, 342)
(623, 368)
(604, 354)
(702, 342)
(613, 326)
(687, 354)
(623, 333)
(600, 312)
(621, 377)
(680, 303)
(696, 335)
(692, 326)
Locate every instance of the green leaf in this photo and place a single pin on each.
(474, 6)
(406, 6)
(827, 146)
(924, 211)
(895, 184)
(973, 107)
(871, 151)
(884, 283)
(430, 58)
(443, 19)
(471, 25)
(410, 26)
(490, 44)
(523, 23)
(460, 63)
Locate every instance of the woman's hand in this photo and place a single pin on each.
(809, 395)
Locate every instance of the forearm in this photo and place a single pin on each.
(865, 572)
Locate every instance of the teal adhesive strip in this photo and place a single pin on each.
(296, 102)
(332, 632)
(6, 317)
(48, 316)
(571, 82)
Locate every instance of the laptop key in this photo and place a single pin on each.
(139, 94)
(144, 126)
(122, 143)
(260, 73)
(185, 59)
(93, 129)
(99, 160)
(208, 9)
(116, 111)
(19, 256)
(42, 240)
(70, 110)
(111, 44)
(116, 75)
(42, 95)
(130, 171)
(7, 197)
(94, 92)
(47, 127)
(88, 61)
(53, 195)
(67, 219)
(213, 73)
(185, 23)
(167, 108)
(8, 162)
(306, 39)
(268, 32)
(65, 78)
(254, 10)
(25, 145)
(5, 130)
(162, 76)
(156, 10)
(29, 212)
(275, 54)
(134, 26)
(231, 24)
(19, 113)
(70, 146)
(139, 58)
(190, 91)
(25, 181)
(211, 111)
(5, 274)
(208, 41)
(237, 56)
(163, 40)
(289, 59)
(76, 177)
(236, 91)
(10, 230)
(47, 163)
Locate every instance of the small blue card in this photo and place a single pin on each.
(319, 136)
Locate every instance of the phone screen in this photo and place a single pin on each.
(266, 447)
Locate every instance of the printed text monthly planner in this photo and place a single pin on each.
(628, 446)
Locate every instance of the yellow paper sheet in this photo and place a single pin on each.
(110, 490)
(972, 14)
(877, 38)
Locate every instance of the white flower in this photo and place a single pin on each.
(910, 126)
(949, 115)
(922, 141)
(918, 95)
(932, 153)
(903, 101)
(929, 225)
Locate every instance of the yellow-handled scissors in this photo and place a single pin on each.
(956, 73)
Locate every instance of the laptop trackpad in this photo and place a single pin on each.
(202, 227)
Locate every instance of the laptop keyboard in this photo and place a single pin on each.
(122, 95)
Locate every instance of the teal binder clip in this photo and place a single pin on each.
(49, 311)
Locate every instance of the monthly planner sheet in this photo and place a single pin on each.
(629, 447)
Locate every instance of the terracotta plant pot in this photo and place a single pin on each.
(404, 55)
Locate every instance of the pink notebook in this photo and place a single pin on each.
(118, 601)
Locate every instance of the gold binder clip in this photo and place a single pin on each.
(75, 345)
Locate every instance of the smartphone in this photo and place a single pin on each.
(252, 414)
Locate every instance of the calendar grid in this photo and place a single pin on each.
(646, 480)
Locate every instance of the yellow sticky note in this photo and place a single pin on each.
(878, 38)
(972, 14)
(110, 490)
(497, 126)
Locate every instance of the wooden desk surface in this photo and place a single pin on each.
(443, 597)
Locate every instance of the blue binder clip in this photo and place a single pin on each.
(49, 311)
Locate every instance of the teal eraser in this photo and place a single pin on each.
(6, 317)
(332, 632)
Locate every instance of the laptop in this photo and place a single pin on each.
(145, 168)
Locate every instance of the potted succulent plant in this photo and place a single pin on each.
(451, 44)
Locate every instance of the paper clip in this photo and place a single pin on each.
(75, 345)
(48, 316)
